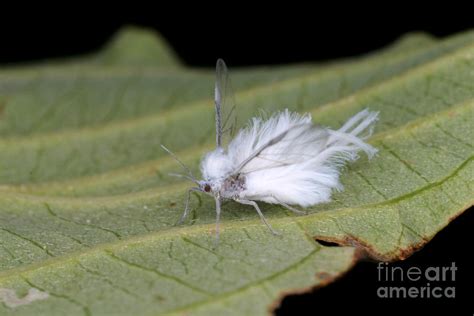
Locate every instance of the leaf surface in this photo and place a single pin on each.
(87, 210)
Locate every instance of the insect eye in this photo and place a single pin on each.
(207, 188)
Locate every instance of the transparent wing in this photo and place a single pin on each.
(226, 116)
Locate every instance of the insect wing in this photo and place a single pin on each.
(226, 116)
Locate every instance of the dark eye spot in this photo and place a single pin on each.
(207, 188)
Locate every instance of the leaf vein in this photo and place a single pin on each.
(31, 241)
(50, 211)
(160, 274)
(404, 162)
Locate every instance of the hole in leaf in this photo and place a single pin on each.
(327, 243)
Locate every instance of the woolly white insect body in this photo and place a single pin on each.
(285, 159)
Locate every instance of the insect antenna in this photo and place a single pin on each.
(179, 175)
(189, 176)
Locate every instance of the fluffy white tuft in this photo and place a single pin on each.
(301, 168)
(216, 164)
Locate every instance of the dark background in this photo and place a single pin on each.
(264, 38)
(301, 34)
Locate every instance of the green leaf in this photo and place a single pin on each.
(87, 210)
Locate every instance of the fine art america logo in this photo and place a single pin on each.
(415, 282)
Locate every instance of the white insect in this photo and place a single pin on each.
(285, 160)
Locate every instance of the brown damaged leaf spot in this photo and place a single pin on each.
(323, 276)
(369, 251)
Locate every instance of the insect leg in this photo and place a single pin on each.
(264, 220)
(186, 208)
(218, 215)
(291, 208)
